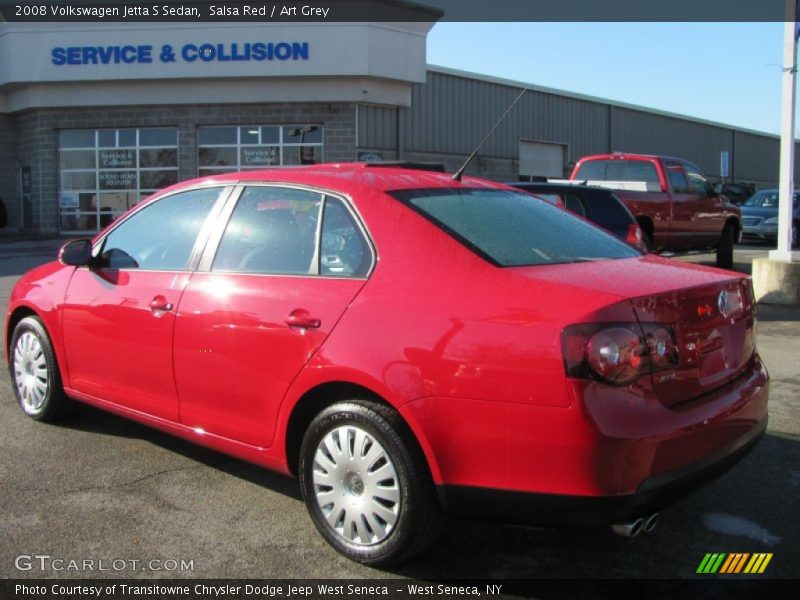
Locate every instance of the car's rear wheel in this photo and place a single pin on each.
(725, 246)
(34, 372)
(366, 484)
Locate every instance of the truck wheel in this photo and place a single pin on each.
(725, 246)
(366, 484)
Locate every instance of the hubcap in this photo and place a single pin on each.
(30, 372)
(356, 485)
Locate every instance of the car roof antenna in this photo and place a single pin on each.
(457, 175)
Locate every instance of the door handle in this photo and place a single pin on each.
(159, 305)
(302, 319)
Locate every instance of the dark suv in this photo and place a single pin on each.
(595, 204)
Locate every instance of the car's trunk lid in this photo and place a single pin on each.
(714, 333)
(713, 348)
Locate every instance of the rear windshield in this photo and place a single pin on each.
(597, 205)
(618, 170)
(513, 229)
(608, 211)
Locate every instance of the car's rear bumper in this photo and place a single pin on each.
(654, 494)
(625, 455)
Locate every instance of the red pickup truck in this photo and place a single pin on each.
(675, 205)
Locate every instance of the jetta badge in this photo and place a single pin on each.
(723, 303)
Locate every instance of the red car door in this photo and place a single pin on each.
(289, 263)
(118, 315)
(708, 218)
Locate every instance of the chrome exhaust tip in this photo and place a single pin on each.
(651, 522)
(628, 529)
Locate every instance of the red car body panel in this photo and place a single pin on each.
(210, 341)
(679, 220)
(469, 354)
(109, 310)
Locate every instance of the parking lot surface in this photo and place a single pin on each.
(98, 487)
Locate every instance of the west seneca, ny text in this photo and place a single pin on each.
(284, 590)
(253, 10)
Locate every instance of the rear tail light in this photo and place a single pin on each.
(636, 237)
(617, 353)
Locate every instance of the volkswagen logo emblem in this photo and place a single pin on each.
(723, 303)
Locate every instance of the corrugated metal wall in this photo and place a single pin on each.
(451, 113)
(377, 127)
(756, 157)
(647, 133)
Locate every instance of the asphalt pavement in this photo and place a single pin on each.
(100, 488)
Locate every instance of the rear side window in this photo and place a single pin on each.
(619, 170)
(607, 210)
(513, 229)
(343, 250)
(279, 230)
(574, 203)
(272, 230)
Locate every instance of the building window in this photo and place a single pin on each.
(103, 172)
(229, 149)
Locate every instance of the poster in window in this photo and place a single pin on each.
(117, 180)
(262, 156)
(116, 159)
(68, 200)
(308, 155)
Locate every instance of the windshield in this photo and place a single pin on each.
(512, 229)
(768, 199)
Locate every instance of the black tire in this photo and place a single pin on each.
(725, 246)
(795, 241)
(648, 243)
(647, 236)
(418, 515)
(48, 402)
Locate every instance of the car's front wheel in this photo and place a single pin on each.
(35, 374)
(366, 484)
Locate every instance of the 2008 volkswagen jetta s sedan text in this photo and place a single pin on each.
(405, 344)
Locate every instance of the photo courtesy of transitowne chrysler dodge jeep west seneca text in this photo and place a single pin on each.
(404, 342)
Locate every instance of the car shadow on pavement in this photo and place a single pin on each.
(752, 508)
(92, 420)
(776, 312)
(747, 510)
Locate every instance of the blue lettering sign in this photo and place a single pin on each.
(101, 55)
(204, 52)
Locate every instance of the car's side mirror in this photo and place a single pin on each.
(76, 253)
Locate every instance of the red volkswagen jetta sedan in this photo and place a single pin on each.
(404, 344)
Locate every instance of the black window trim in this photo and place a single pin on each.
(226, 190)
(220, 224)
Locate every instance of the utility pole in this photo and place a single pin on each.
(776, 280)
(786, 191)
